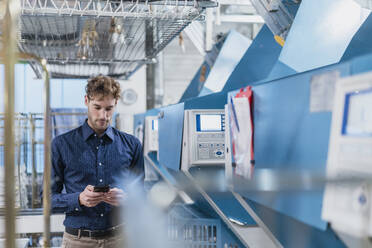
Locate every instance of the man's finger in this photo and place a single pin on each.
(90, 188)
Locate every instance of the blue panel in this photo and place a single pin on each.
(139, 119)
(292, 6)
(361, 42)
(289, 137)
(321, 32)
(170, 136)
(293, 234)
(361, 64)
(231, 207)
(280, 70)
(231, 53)
(257, 61)
(196, 85)
(163, 170)
(214, 101)
(152, 112)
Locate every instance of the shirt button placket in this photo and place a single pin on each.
(100, 174)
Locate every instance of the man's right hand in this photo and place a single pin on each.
(89, 198)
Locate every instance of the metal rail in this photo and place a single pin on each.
(47, 158)
(9, 54)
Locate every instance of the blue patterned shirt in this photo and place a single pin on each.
(79, 158)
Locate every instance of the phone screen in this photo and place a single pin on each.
(105, 188)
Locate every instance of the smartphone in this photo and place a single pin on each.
(104, 188)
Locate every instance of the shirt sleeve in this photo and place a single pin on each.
(61, 202)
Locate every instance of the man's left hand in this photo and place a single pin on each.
(114, 197)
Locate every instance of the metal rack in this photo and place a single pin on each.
(29, 153)
(80, 38)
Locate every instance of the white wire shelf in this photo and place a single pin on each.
(81, 38)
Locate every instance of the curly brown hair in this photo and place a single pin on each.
(102, 86)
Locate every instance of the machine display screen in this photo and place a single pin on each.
(209, 122)
(358, 114)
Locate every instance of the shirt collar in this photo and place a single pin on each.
(88, 131)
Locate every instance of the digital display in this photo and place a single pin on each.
(155, 125)
(209, 122)
(358, 114)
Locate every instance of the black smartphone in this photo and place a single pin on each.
(105, 188)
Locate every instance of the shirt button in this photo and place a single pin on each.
(76, 209)
(100, 180)
(95, 135)
(101, 215)
(101, 141)
(100, 163)
(97, 147)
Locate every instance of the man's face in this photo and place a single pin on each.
(100, 111)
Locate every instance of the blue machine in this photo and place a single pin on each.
(293, 90)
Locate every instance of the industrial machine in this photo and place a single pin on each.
(348, 195)
(203, 138)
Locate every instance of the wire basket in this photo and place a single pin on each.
(188, 228)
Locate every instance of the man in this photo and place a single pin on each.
(92, 155)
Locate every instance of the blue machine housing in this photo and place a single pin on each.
(288, 136)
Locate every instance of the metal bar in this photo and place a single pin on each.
(150, 69)
(9, 48)
(19, 147)
(33, 153)
(47, 137)
(92, 61)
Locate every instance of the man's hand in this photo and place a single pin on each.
(114, 196)
(89, 198)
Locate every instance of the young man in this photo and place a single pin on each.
(92, 155)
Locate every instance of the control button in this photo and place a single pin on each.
(219, 153)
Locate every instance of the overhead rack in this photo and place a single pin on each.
(81, 38)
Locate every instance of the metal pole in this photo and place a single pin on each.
(9, 53)
(33, 154)
(47, 170)
(19, 146)
(150, 68)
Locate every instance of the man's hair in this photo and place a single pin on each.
(102, 86)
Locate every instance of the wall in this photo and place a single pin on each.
(137, 82)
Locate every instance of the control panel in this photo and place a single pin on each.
(151, 134)
(203, 137)
(347, 200)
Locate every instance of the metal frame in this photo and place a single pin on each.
(10, 57)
